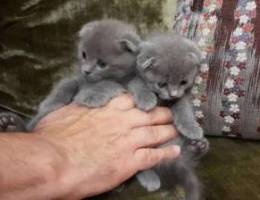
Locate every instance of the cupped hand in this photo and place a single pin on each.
(105, 146)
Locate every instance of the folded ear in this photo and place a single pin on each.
(145, 63)
(128, 45)
(145, 59)
(130, 42)
(87, 28)
(192, 59)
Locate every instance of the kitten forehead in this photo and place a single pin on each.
(173, 45)
(173, 52)
(176, 58)
(109, 47)
(104, 35)
(109, 27)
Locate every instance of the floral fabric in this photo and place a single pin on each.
(227, 90)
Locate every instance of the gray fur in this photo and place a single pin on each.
(167, 66)
(107, 52)
(185, 120)
(144, 98)
(99, 94)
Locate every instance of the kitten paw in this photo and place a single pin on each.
(190, 131)
(146, 101)
(10, 122)
(198, 148)
(149, 180)
(97, 99)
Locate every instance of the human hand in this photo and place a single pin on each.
(103, 147)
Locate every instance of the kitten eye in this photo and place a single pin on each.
(162, 84)
(183, 82)
(101, 64)
(84, 55)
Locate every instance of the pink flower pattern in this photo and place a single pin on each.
(241, 41)
(207, 23)
(236, 57)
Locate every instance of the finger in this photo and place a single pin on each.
(150, 136)
(158, 116)
(161, 115)
(147, 158)
(122, 102)
(137, 118)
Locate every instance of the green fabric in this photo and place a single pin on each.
(38, 39)
(231, 171)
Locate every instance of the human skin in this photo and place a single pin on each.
(76, 152)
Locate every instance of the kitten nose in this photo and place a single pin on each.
(174, 93)
(86, 68)
(87, 72)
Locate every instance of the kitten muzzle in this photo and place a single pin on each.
(174, 93)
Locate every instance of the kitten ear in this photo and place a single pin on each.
(130, 42)
(87, 28)
(145, 63)
(192, 59)
(143, 60)
(128, 45)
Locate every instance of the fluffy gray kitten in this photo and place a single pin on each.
(107, 51)
(167, 66)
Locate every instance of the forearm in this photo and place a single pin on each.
(30, 168)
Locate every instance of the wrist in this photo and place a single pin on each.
(65, 173)
(56, 170)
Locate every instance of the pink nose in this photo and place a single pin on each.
(174, 93)
(86, 69)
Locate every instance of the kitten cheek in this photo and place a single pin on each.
(181, 93)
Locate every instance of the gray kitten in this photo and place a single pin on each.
(167, 66)
(107, 51)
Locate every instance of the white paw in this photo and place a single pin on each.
(149, 180)
(198, 148)
(152, 186)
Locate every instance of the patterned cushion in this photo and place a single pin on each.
(227, 91)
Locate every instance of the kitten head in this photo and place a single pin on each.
(169, 64)
(107, 49)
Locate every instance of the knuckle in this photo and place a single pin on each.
(152, 134)
(129, 99)
(155, 134)
(149, 157)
